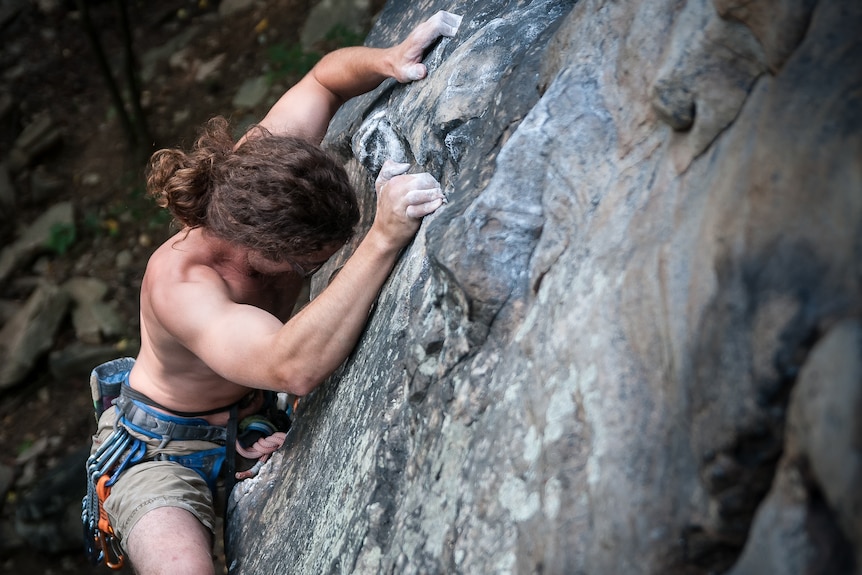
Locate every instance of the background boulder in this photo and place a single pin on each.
(630, 341)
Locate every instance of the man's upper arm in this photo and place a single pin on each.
(232, 339)
(303, 111)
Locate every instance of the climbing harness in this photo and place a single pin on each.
(143, 419)
(256, 437)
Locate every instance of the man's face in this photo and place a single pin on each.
(303, 266)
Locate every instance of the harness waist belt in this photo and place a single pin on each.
(132, 393)
(144, 419)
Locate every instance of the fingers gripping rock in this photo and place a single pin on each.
(423, 181)
(447, 23)
(413, 196)
(389, 170)
(423, 197)
(420, 210)
(440, 24)
(416, 72)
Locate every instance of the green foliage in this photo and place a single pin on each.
(160, 219)
(61, 237)
(24, 446)
(145, 210)
(91, 223)
(294, 62)
(340, 36)
(94, 224)
(290, 61)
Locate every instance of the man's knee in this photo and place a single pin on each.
(170, 540)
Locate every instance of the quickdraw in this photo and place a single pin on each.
(104, 466)
(111, 552)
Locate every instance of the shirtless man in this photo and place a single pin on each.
(258, 217)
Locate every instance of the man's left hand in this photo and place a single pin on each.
(408, 64)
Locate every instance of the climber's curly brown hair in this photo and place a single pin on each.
(277, 195)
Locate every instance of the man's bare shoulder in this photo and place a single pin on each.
(182, 271)
(185, 257)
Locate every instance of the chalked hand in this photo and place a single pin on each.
(408, 62)
(403, 200)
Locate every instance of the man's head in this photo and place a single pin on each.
(281, 197)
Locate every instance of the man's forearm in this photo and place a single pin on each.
(349, 72)
(321, 336)
(353, 71)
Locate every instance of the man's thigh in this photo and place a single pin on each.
(153, 485)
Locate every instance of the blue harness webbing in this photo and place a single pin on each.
(143, 419)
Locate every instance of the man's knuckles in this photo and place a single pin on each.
(422, 196)
(423, 209)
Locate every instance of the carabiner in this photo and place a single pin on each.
(109, 547)
(111, 443)
(136, 454)
(105, 466)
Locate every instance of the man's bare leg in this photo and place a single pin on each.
(170, 541)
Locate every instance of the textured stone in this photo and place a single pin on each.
(92, 317)
(585, 362)
(228, 8)
(48, 515)
(30, 333)
(251, 93)
(35, 238)
(41, 135)
(7, 192)
(811, 520)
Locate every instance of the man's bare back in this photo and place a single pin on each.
(166, 370)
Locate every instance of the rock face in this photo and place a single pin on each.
(631, 341)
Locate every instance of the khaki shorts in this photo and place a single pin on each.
(153, 484)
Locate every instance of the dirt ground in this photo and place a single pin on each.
(47, 65)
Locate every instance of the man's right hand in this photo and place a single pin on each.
(402, 201)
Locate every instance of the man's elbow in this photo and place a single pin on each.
(295, 380)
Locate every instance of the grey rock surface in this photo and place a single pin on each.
(627, 343)
(29, 334)
(811, 520)
(92, 317)
(48, 516)
(251, 93)
(39, 136)
(7, 192)
(35, 239)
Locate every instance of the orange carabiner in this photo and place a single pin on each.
(113, 558)
(112, 555)
(102, 491)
